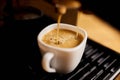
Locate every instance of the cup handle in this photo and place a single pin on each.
(46, 61)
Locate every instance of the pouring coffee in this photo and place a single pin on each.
(62, 7)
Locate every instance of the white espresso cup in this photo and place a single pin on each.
(61, 60)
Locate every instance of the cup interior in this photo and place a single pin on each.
(62, 26)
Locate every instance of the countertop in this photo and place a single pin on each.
(100, 30)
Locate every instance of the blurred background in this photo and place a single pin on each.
(21, 21)
(105, 9)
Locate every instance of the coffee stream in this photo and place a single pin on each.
(58, 28)
(78, 14)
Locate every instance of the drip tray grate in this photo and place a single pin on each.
(97, 63)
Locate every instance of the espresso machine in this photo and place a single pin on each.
(106, 10)
(24, 19)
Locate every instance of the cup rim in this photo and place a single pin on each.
(54, 26)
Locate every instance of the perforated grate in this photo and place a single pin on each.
(98, 63)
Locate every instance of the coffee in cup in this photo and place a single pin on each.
(66, 39)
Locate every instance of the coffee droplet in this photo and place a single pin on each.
(61, 9)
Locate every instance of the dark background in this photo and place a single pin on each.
(108, 10)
